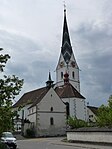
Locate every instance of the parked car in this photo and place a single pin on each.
(9, 139)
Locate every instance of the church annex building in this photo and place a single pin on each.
(48, 108)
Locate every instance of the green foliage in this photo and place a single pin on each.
(104, 117)
(3, 60)
(10, 86)
(73, 122)
(3, 146)
(30, 133)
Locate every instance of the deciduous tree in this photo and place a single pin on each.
(104, 117)
(10, 86)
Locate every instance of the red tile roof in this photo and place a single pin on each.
(29, 97)
(35, 96)
(39, 98)
(68, 91)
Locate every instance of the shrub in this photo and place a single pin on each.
(3, 146)
(73, 122)
(30, 133)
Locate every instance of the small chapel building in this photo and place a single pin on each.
(48, 108)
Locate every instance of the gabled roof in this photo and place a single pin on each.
(39, 98)
(68, 91)
(29, 97)
(35, 96)
(93, 109)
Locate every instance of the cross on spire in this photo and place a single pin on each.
(64, 6)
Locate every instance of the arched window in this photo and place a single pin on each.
(73, 75)
(67, 110)
(51, 109)
(51, 121)
(61, 75)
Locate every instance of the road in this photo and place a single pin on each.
(54, 143)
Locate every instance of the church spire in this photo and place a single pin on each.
(49, 83)
(67, 62)
(66, 49)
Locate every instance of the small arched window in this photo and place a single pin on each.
(51, 121)
(67, 110)
(51, 109)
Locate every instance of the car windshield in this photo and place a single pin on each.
(9, 135)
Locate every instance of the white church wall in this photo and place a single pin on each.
(44, 119)
(80, 109)
(51, 106)
(76, 107)
(63, 68)
(51, 99)
(32, 115)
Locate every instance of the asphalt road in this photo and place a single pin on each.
(54, 143)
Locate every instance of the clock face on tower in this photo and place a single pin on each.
(61, 64)
(73, 64)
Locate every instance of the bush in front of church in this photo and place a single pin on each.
(73, 122)
(30, 133)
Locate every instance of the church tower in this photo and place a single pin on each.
(67, 62)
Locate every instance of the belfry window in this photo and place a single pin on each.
(51, 121)
(61, 75)
(73, 75)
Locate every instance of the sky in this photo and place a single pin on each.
(31, 33)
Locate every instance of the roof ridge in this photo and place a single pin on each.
(39, 98)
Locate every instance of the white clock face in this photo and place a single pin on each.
(61, 64)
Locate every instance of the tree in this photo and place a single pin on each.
(10, 86)
(104, 117)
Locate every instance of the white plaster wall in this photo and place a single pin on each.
(51, 99)
(90, 136)
(44, 120)
(59, 81)
(58, 114)
(80, 109)
(59, 69)
(77, 107)
(32, 114)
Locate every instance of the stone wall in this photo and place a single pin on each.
(96, 135)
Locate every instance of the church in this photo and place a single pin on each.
(47, 108)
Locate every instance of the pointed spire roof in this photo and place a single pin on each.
(49, 83)
(66, 44)
(50, 76)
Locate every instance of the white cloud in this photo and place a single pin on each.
(30, 31)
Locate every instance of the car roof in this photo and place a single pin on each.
(6, 133)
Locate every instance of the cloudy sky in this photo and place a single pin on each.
(31, 33)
